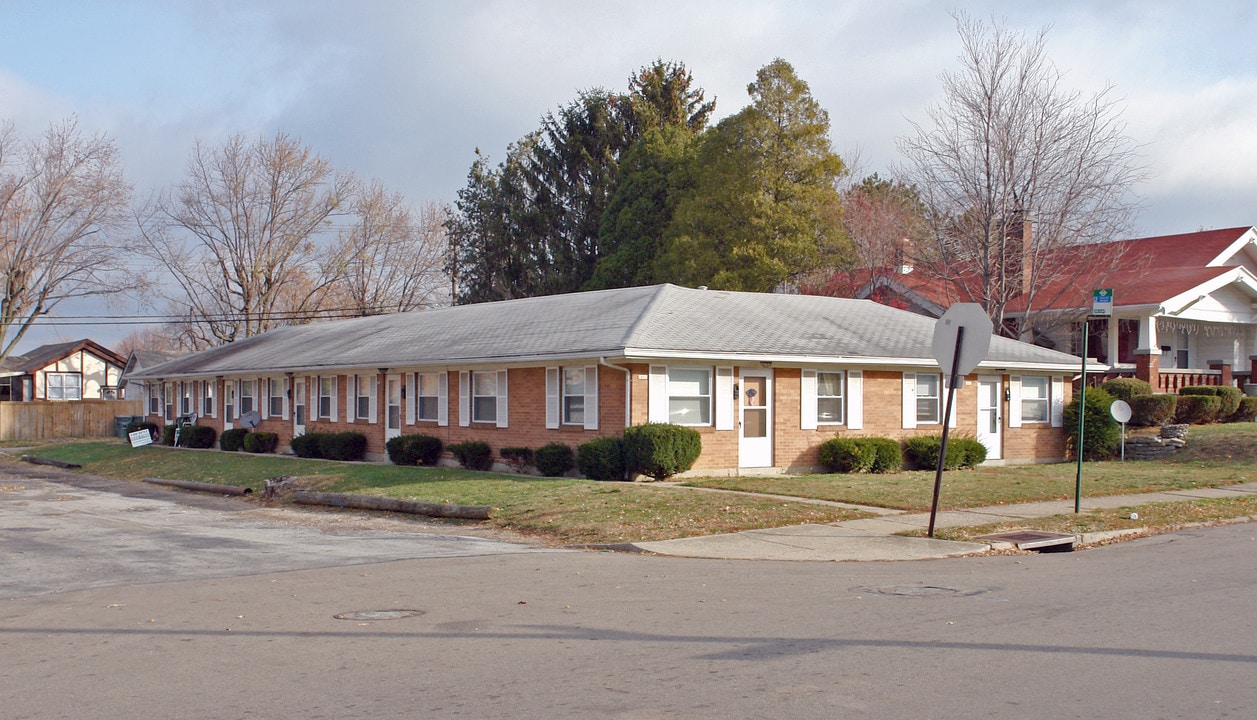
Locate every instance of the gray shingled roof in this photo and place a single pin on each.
(641, 322)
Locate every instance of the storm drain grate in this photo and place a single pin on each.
(371, 615)
(1033, 539)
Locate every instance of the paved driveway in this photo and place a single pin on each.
(62, 532)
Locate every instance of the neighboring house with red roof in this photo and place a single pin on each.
(77, 370)
(1183, 309)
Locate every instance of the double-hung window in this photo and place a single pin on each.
(429, 396)
(185, 398)
(362, 397)
(154, 399)
(1035, 398)
(829, 398)
(327, 397)
(574, 396)
(207, 398)
(248, 395)
(275, 404)
(928, 386)
(484, 396)
(64, 386)
(689, 396)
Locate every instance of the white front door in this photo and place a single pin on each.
(392, 406)
(298, 407)
(990, 432)
(755, 418)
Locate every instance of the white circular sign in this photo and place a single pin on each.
(974, 346)
(1120, 410)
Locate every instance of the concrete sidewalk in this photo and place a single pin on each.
(876, 538)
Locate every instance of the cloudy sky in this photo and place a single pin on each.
(405, 91)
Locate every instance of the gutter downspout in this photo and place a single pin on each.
(628, 390)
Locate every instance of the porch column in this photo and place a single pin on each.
(1148, 367)
(1148, 334)
(1252, 368)
(1225, 367)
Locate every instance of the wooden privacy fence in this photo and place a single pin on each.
(44, 419)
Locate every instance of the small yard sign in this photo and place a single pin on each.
(140, 437)
(1102, 302)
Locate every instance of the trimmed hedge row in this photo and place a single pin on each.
(554, 459)
(473, 454)
(962, 452)
(854, 455)
(330, 446)
(414, 450)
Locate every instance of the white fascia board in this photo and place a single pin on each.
(831, 360)
(1235, 276)
(1246, 237)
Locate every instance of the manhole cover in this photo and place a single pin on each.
(920, 591)
(377, 614)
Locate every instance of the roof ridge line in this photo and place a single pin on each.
(646, 311)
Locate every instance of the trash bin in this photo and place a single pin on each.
(120, 423)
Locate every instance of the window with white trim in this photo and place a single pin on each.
(1035, 397)
(185, 398)
(275, 404)
(248, 396)
(207, 398)
(327, 397)
(484, 396)
(689, 396)
(829, 398)
(574, 396)
(63, 386)
(429, 396)
(928, 395)
(154, 398)
(168, 395)
(362, 404)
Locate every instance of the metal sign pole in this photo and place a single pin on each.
(942, 450)
(1082, 414)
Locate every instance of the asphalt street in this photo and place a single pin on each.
(1164, 627)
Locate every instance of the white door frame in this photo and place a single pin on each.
(990, 423)
(392, 382)
(300, 399)
(755, 451)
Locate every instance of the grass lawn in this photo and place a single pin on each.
(570, 511)
(558, 511)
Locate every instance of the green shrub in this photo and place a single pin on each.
(1247, 411)
(1125, 388)
(168, 435)
(887, 454)
(1197, 409)
(261, 442)
(554, 459)
(1152, 410)
(922, 452)
(518, 458)
(661, 450)
(1230, 397)
(414, 450)
(473, 454)
(1198, 390)
(1101, 433)
(847, 455)
(972, 451)
(601, 459)
(343, 446)
(232, 440)
(306, 446)
(154, 430)
(197, 436)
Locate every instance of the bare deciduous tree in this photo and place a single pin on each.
(389, 260)
(1021, 176)
(62, 197)
(240, 236)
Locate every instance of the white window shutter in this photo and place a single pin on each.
(443, 399)
(855, 399)
(1058, 402)
(909, 400)
(351, 397)
(411, 401)
(285, 395)
(335, 397)
(264, 402)
(1014, 401)
(955, 401)
(502, 421)
(213, 398)
(724, 398)
(373, 405)
(553, 397)
(657, 399)
(464, 398)
(807, 400)
(591, 397)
